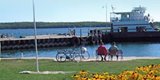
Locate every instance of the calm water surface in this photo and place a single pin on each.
(129, 49)
(42, 31)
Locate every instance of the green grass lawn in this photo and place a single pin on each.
(9, 69)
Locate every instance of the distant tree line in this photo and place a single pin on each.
(21, 25)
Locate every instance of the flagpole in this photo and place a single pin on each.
(106, 15)
(0, 51)
(35, 36)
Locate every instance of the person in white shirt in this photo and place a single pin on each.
(113, 50)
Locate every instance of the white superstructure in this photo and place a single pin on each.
(134, 21)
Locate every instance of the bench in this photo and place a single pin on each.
(118, 54)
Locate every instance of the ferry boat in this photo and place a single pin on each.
(134, 21)
(134, 26)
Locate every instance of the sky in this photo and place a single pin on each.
(71, 10)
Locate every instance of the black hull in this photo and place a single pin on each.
(134, 37)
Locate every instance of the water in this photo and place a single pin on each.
(42, 31)
(129, 49)
(143, 49)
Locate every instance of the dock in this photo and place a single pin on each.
(43, 41)
(46, 41)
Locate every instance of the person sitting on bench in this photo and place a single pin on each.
(113, 50)
(102, 51)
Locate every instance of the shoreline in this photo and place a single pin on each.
(91, 59)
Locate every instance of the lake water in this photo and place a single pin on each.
(142, 49)
(42, 31)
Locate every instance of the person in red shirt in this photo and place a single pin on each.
(102, 51)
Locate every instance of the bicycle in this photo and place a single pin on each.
(72, 54)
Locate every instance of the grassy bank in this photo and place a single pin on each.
(9, 69)
(24, 25)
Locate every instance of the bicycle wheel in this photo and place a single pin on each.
(77, 57)
(85, 55)
(61, 57)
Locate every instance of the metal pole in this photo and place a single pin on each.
(81, 42)
(35, 36)
(106, 15)
(0, 50)
(80, 36)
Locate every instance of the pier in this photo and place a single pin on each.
(44, 41)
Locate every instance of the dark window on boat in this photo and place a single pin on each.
(123, 29)
(141, 29)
